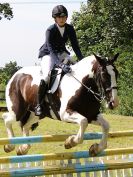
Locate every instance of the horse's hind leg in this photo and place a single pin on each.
(73, 140)
(31, 119)
(9, 118)
(97, 148)
(24, 148)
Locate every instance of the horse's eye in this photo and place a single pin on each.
(103, 74)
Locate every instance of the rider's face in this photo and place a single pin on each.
(61, 20)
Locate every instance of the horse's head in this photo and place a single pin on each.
(105, 74)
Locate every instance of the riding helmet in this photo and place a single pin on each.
(59, 11)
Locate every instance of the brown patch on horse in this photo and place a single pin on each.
(56, 96)
(22, 94)
(58, 93)
(69, 111)
(84, 101)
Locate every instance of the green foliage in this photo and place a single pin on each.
(126, 84)
(5, 11)
(103, 25)
(6, 73)
(106, 27)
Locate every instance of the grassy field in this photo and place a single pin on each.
(48, 126)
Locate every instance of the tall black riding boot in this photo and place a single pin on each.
(40, 96)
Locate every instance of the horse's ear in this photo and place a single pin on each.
(115, 57)
(101, 62)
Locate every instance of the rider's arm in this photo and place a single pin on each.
(74, 43)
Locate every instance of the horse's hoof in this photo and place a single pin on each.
(23, 150)
(8, 148)
(69, 143)
(94, 150)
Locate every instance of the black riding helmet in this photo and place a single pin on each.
(59, 11)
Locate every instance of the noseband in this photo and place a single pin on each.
(111, 88)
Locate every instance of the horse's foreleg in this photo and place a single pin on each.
(97, 148)
(9, 118)
(73, 140)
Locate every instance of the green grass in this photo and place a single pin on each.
(48, 126)
(2, 103)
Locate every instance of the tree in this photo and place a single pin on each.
(7, 71)
(125, 86)
(104, 25)
(5, 11)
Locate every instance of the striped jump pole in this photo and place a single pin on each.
(59, 138)
(74, 168)
(63, 156)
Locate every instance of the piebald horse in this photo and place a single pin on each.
(78, 99)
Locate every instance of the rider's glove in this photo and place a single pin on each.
(66, 69)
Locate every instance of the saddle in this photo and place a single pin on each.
(56, 75)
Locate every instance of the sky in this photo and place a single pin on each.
(22, 36)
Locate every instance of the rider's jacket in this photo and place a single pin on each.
(56, 43)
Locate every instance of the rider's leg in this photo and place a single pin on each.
(64, 58)
(46, 65)
(40, 96)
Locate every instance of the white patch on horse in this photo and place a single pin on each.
(8, 100)
(113, 80)
(9, 118)
(34, 71)
(112, 74)
(105, 129)
(80, 120)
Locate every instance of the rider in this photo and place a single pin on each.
(53, 51)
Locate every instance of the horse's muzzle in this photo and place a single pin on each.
(113, 104)
(110, 105)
